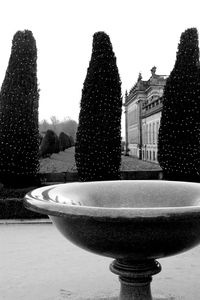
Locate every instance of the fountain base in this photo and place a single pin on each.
(135, 277)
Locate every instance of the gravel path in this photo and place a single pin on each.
(37, 262)
(65, 161)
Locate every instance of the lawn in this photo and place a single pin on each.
(64, 161)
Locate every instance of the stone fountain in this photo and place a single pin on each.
(134, 222)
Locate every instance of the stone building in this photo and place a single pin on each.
(143, 107)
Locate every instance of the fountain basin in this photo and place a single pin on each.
(129, 220)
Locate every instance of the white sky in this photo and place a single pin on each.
(143, 34)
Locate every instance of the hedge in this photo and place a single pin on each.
(13, 208)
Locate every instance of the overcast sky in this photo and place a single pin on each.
(143, 34)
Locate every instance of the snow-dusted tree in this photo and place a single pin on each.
(98, 139)
(19, 134)
(179, 134)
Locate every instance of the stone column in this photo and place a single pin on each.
(135, 278)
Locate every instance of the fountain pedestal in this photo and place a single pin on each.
(135, 277)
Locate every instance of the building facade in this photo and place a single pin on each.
(143, 108)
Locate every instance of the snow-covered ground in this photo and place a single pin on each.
(37, 262)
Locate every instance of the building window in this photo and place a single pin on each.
(149, 133)
(154, 156)
(147, 129)
(153, 133)
(134, 115)
(143, 133)
(157, 130)
(130, 118)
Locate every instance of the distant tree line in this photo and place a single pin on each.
(68, 126)
(52, 143)
(56, 136)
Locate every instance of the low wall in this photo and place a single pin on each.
(142, 175)
(125, 175)
(59, 177)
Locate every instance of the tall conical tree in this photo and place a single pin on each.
(98, 140)
(19, 134)
(179, 134)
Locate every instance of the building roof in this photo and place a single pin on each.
(142, 86)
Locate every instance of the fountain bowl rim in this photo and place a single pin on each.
(52, 208)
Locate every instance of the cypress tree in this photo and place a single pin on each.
(179, 134)
(19, 134)
(98, 139)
